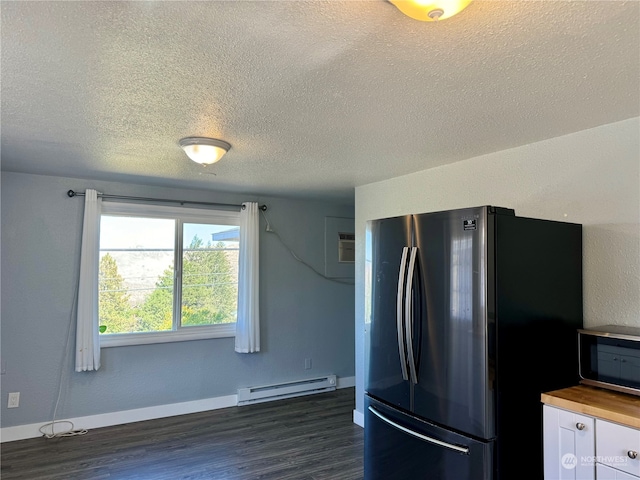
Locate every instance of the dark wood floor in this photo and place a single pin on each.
(304, 438)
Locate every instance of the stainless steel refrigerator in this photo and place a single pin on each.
(471, 315)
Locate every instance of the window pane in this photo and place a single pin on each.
(136, 274)
(209, 274)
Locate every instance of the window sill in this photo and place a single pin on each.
(182, 335)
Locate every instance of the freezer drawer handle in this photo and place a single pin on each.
(399, 300)
(408, 315)
(419, 435)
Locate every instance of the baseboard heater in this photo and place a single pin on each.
(267, 393)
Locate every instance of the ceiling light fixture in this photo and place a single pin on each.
(204, 150)
(430, 10)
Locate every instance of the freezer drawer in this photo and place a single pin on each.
(398, 446)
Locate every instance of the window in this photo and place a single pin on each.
(166, 273)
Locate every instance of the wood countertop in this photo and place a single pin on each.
(597, 402)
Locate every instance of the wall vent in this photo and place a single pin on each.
(279, 391)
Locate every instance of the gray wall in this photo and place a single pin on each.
(302, 315)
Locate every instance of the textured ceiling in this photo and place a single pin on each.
(314, 97)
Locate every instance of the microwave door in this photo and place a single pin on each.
(610, 360)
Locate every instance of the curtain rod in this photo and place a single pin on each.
(72, 194)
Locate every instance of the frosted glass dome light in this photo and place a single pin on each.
(204, 151)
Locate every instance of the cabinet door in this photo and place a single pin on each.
(608, 364)
(630, 368)
(569, 445)
(607, 473)
(618, 446)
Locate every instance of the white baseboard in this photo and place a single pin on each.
(22, 432)
(358, 418)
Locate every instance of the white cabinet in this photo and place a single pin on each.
(581, 447)
(618, 446)
(569, 445)
(607, 473)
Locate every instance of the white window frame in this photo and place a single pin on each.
(181, 215)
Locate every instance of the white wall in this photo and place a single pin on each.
(590, 177)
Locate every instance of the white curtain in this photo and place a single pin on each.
(87, 341)
(248, 324)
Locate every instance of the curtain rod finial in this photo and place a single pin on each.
(71, 193)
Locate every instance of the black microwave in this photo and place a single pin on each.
(609, 357)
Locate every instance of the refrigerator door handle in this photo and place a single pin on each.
(435, 441)
(399, 316)
(408, 316)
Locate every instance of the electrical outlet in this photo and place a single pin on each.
(14, 400)
(307, 364)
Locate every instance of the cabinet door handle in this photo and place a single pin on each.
(580, 426)
(632, 454)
